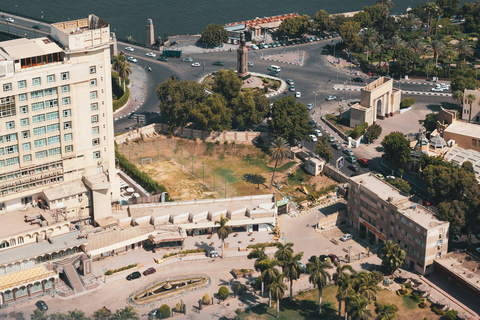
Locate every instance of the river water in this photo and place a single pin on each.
(180, 17)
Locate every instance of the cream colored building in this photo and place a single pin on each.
(473, 114)
(56, 123)
(379, 100)
(385, 213)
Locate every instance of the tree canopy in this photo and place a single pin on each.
(397, 148)
(323, 149)
(227, 83)
(461, 83)
(296, 26)
(213, 33)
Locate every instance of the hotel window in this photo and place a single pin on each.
(26, 134)
(68, 137)
(95, 142)
(67, 125)
(22, 84)
(69, 148)
(93, 70)
(66, 88)
(2, 164)
(474, 142)
(93, 95)
(94, 107)
(54, 151)
(22, 97)
(93, 83)
(40, 154)
(36, 94)
(11, 149)
(10, 137)
(37, 106)
(10, 125)
(36, 81)
(7, 87)
(1, 152)
(96, 155)
(50, 78)
(66, 101)
(38, 118)
(40, 143)
(27, 158)
(53, 140)
(50, 91)
(38, 131)
(94, 119)
(53, 127)
(24, 122)
(67, 113)
(64, 75)
(95, 130)
(26, 146)
(52, 115)
(23, 109)
(11, 161)
(51, 103)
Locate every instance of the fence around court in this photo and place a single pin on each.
(145, 152)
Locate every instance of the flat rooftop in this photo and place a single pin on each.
(81, 25)
(463, 265)
(420, 215)
(25, 48)
(65, 190)
(459, 155)
(464, 128)
(378, 186)
(377, 83)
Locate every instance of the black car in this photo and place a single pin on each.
(134, 275)
(323, 257)
(312, 259)
(153, 313)
(36, 27)
(357, 79)
(162, 58)
(41, 305)
(353, 168)
(218, 63)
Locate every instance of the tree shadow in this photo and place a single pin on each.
(255, 179)
(203, 245)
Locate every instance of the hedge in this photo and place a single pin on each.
(139, 176)
(117, 90)
(130, 266)
(359, 130)
(122, 101)
(405, 103)
(263, 244)
(184, 253)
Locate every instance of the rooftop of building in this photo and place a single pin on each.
(459, 155)
(25, 48)
(421, 215)
(464, 128)
(81, 25)
(65, 190)
(382, 189)
(463, 265)
(378, 83)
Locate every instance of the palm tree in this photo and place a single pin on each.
(470, 98)
(279, 151)
(102, 314)
(385, 311)
(345, 288)
(121, 67)
(356, 306)
(432, 10)
(76, 315)
(437, 47)
(282, 250)
(277, 290)
(367, 285)
(417, 46)
(340, 271)
(450, 55)
(393, 256)
(370, 47)
(291, 269)
(464, 49)
(125, 314)
(39, 315)
(259, 254)
(458, 96)
(269, 272)
(58, 316)
(318, 277)
(395, 43)
(223, 231)
(385, 3)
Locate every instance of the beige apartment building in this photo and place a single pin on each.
(56, 123)
(471, 113)
(385, 213)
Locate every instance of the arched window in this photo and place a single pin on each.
(13, 242)
(20, 240)
(4, 244)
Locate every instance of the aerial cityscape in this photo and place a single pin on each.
(279, 166)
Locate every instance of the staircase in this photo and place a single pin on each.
(73, 278)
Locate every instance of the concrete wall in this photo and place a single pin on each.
(334, 174)
(332, 220)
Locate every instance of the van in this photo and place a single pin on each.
(274, 68)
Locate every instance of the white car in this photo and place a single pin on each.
(196, 64)
(132, 59)
(298, 94)
(151, 54)
(437, 89)
(290, 81)
(9, 20)
(313, 137)
(318, 132)
(129, 49)
(346, 237)
(330, 98)
(310, 106)
(443, 86)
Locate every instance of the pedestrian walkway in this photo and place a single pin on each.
(137, 88)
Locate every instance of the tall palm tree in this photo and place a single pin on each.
(259, 254)
(341, 270)
(385, 311)
(369, 35)
(58, 316)
(291, 269)
(385, 3)
(282, 250)
(277, 290)
(279, 151)
(268, 273)
(464, 49)
(129, 313)
(450, 54)
(102, 314)
(432, 10)
(437, 47)
(344, 285)
(470, 98)
(76, 315)
(318, 277)
(393, 256)
(367, 285)
(458, 96)
(417, 46)
(395, 43)
(370, 47)
(39, 315)
(223, 231)
(356, 306)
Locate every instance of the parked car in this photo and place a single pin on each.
(331, 139)
(313, 137)
(318, 132)
(150, 54)
(351, 159)
(36, 27)
(323, 257)
(250, 64)
(129, 49)
(290, 81)
(273, 73)
(333, 258)
(292, 88)
(310, 106)
(41, 305)
(153, 314)
(346, 237)
(162, 58)
(312, 259)
(302, 267)
(149, 271)
(330, 98)
(187, 60)
(336, 146)
(353, 167)
(437, 89)
(357, 79)
(379, 176)
(195, 64)
(134, 275)
(298, 94)
(132, 59)
(218, 63)
(348, 152)
(363, 162)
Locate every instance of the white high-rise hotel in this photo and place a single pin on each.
(56, 124)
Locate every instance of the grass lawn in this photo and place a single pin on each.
(341, 124)
(305, 306)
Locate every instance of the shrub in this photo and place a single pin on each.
(438, 311)
(405, 103)
(122, 101)
(415, 296)
(240, 289)
(206, 299)
(184, 252)
(217, 142)
(238, 311)
(423, 304)
(223, 293)
(130, 266)
(452, 314)
(373, 132)
(164, 310)
(408, 285)
(378, 276)
(358, 131)
(178, 307)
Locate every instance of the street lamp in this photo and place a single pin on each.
(284, 47)
(42, 14)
